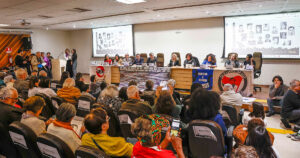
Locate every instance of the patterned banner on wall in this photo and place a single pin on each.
(204, 77)
(142, 74)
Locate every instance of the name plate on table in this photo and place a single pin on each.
(126, 63)
(249, 67)
(189, 66)
(151, 64)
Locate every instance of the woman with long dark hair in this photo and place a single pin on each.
(74, 61)
(107, 59)
(260, 140)
(68, 57)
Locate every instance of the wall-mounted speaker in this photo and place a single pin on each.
(26, 43)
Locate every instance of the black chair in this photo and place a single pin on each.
(24, 139)
(160, 60)
(232, 113)
(197, 64)
(53, 147)
(114, 123)
(149, 98)
(126, 118)
(56, 102)
(257, 57)
(89, 152)
(7, 147)
(205, 139)
(49, 110)
(84, 105)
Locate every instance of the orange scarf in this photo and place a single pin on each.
(66, 125)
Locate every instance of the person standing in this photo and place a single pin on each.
(74, 62)
(36, 61)
(49, 64)
(68, 57)
(19, 60)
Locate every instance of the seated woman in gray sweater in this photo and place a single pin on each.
(276, 93)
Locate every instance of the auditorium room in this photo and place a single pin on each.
(149, 78)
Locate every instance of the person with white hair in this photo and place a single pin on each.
(291, 105)
(9, 81)
(43, 74)
(230, 97)
(127, 59)
(134, 102)
(110, 98)
(21, 84)
(176, 96)
(8, 114)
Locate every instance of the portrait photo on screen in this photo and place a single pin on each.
(112, 41)
(275, 35)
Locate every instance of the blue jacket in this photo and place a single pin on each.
(138, 62)
(219, 120)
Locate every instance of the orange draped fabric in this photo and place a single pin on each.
(13, 41)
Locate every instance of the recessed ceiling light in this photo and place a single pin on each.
(158, 15)
(207, 12)
(260, 5)
(47, 28)
(74, 26)
(3, 25)
(131, 1)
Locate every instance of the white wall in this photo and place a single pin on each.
(81, 40)
(199, 36)
(50, 41)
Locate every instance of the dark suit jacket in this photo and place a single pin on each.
(138, 62)
(140, 107)
(176, 63)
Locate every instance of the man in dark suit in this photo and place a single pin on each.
(8, 114)
(138, 60)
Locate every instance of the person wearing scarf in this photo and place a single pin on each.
(97, 125)
(69, 92)
(34, 106)
(148, 129)
(61, 126)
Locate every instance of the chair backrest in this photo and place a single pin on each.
(126, 118)
(160, 60)
(205, 139)
(49, 110)
(24, 139)
(197, 61)
(229, 54)
(84, 105)
(7, 147)
(145, 56)
(56, 102)
(149, 98)
(178, 55)
(53, 147)
(257, 57)
(232, 113)
(89, 152)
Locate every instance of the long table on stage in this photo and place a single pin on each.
(213, 79)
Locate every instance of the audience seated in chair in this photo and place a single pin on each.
(123, 94)
(109, 97)
(94, 87)
(21, 84)
(43, 74)
(230, 97)
(63, 77)
(97, 125)
(9, 81)
(69, 92)
(259, 138)
(148, 131)
(61, 126)
(134, 103)
(257, 112)
(33, 84)
(165, 104)
(85, 92)
(276, 93)
(34, 106)
(149, 88)
(79, 81)
(291, 104)
(205, 105)
(176, 96)
(240, 133)
(43, 87)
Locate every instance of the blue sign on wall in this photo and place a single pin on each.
(204, 77)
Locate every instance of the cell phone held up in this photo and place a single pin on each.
(175, 127)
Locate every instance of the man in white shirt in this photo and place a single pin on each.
(230, 97)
